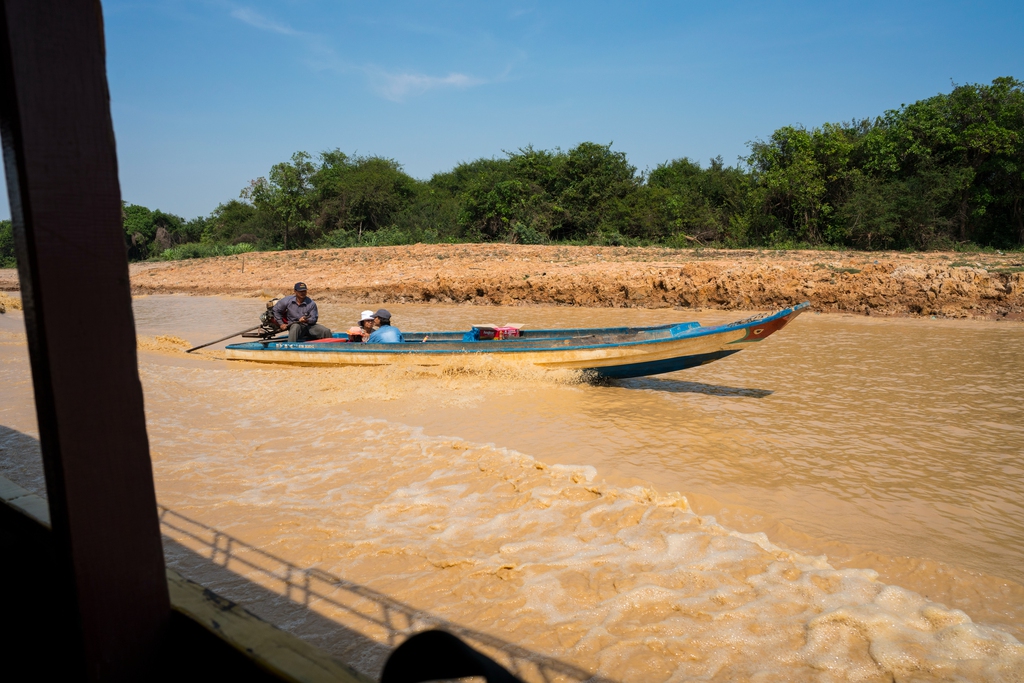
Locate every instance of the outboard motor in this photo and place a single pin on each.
(268, 326)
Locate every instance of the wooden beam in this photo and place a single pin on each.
(61, 166)
(282, 654)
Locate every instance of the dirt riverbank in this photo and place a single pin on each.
(951, 284)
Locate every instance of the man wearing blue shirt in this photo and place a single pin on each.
(386, 334)
(298, 315)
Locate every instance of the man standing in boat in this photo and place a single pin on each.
(298, 315)
(386, 334)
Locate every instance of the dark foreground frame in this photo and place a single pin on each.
(61, 169)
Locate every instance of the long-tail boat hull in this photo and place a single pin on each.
(618, 352)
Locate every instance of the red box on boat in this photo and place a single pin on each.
(505, 332)
(488, 332)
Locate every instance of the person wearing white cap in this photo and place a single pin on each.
(364, 329)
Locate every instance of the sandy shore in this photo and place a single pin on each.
(891, 283)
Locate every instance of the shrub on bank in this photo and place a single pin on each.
(203, 250)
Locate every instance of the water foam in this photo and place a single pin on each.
(162, 342)
(635, 577)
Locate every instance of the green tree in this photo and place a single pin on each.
(7, 256)
(799, 178)
(492, 201)
(700, 204)
(590, 190)
(360, 193)
(465, 189)
(536, 195)
(148, 232)
(973, 138)
(431, 217)
(233, 220)
(288, 194)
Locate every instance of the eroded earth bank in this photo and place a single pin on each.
(942, 284)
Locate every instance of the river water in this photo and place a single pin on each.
(842, 501)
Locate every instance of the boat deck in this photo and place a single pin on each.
(426, 342)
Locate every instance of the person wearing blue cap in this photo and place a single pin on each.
(386, 334)
(298, 315)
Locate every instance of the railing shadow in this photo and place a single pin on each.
(679, 387)
(383, 622)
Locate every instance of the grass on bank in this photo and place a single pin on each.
(195, 250)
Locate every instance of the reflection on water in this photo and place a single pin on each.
(886, 445)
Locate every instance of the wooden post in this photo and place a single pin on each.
(61, 166)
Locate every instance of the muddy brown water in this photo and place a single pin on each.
(842, 501)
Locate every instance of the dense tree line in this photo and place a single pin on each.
(945, 172)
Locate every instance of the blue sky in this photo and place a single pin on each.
(208, 94)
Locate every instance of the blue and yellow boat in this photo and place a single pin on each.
(617, 352)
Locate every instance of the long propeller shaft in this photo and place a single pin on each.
(215, 341)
